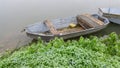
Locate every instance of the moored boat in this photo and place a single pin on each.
(67, 27)
(113, 14)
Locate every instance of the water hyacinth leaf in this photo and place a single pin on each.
(83, 53)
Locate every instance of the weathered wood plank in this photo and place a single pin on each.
(69, 30)
(51, 27)
(94, 19)
(85, 24)
(89, 21)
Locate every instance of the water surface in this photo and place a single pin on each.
(16, 14)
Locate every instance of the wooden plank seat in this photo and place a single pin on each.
(87, 21)
(94, 19)
(51, 27)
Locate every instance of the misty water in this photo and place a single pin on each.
(17, 14)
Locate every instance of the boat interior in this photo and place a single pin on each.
(67, 25)
(80, 22)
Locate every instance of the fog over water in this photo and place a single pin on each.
(16, 14)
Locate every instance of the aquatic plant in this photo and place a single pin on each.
(91, 52)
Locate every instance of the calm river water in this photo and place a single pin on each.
(16, 14)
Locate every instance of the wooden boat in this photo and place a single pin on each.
(82, 24)
(113, 14)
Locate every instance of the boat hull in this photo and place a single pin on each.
(47, 38)
(112, 16)
(69, 35)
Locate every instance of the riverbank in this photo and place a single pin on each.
(85, 52)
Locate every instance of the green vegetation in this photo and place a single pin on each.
(90, 52)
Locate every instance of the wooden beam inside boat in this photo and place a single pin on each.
(51, 27)
(94, 19)
(88, 21)
(70, 30)
(84, 23)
